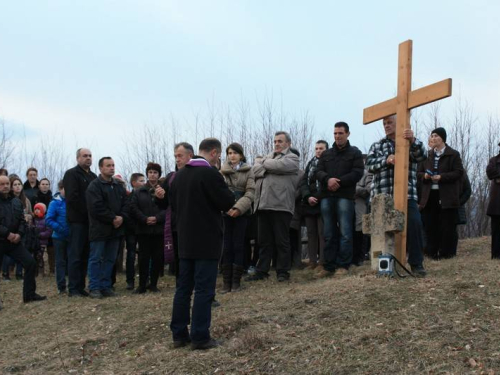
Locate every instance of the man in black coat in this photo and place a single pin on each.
(338, 171)
(198, 196)
(107, 204)
(12, 228)
(76, 180)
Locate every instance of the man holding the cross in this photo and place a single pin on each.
(380, 161)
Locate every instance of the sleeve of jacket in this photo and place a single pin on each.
(466, 190)
(305, 190)
(72, 191)
(45, 232)
(163, 203)
(321, 175)
(218, 192)
(125, 204)
(245, 202)
(51, 218)
(96, 206)
(358, 168)
(376, 160)
(457, 170)
(288, 164)
(418, 152)
(493, 168)
(135, 211)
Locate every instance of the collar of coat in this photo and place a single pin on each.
(227, 169)
(199, 162)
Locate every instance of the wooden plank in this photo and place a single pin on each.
(402, 145)
(430, 93)
(417, 98)
(379, 111)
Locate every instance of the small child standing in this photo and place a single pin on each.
(56, 220)
(44, 233)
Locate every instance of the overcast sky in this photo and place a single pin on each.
(96, 69)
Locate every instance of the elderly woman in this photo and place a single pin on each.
(441, 176)
(240, 180)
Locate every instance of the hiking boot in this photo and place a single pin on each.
(181, 343)
(206, 345)
(95, 294)
(237, 273)
(35, 298)
(324, 274)
(84, 293)
(418, 271)
(257, 276)
(215, 303)
(285, 276)
(227, 278)
(108, 293)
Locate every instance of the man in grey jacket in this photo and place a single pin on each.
(276, 179)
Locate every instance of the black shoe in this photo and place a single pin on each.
(206, 345)
(154, 289)
(35, 298)
(283, 277)
(108, 293)
(75, 294)
(5, 277)
(257, 276)
(181, 343)
(418, 271)
(19, 277)
(140, 290)
(95, 294)
(61, 291)
(215, 303)
(84, 293)
(130, 286)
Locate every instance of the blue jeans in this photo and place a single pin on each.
(61, 250)
(102, 259)
(338, 219)
(200, 275)
(78, 255)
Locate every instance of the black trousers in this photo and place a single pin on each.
(274, 236)
(20, 254)
(495, 237)
(440, 228)
(150, 258)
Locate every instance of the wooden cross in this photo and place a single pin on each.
(401, 106)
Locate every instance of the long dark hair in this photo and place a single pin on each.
(22, 196)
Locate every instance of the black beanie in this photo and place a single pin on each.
(441, 132)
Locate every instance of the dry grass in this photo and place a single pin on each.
(446, 323)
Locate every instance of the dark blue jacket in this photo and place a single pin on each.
(56, 218)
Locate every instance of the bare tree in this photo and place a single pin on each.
(7, 147)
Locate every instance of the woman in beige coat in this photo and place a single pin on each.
(240, 180)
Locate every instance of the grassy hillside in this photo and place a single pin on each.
(446, 323)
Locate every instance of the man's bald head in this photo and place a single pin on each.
(4, 185)
(84, 158)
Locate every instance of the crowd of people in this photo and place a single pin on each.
(233, 218)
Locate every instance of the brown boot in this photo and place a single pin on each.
(227, 276)
(237, 273)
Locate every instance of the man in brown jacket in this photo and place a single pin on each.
(276, 180)
(493, 172)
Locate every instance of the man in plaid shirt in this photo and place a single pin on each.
(380, 161)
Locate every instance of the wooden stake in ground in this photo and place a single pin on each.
(401, 106)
